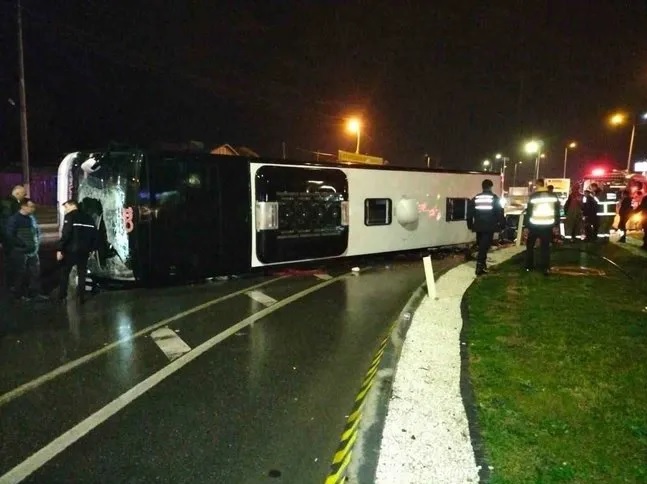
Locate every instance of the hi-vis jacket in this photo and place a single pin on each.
(543, 210)
(485, 213)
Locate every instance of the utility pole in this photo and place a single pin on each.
(23, 106)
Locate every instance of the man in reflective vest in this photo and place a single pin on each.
(484, 216)
(542, 217)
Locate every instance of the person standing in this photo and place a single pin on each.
(642, 209)
(78, 239)
(624, 212)
(573, 210)
(485, 216)
(542, 218)
(9, 206)
(24, 236)
(590, 211)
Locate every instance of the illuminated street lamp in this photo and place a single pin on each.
(618, 119)
(572, 145)
(354, 126)
(486, 164)
(534, 147)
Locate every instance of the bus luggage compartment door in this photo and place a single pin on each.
(300, 213)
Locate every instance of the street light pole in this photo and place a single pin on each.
(354, 126)
(535, 147)
(565, 158)
(514, 178)
(571, 145)
(23, 106)
(504, 160)
(540, 155)
(631, 146)
(357, 148)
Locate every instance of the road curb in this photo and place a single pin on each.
(365, 434)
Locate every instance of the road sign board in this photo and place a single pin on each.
(359, 158)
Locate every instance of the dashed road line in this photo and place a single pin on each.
(323, 276)
(61, 370)
(58, 445)
(170, 343)
(261, 297)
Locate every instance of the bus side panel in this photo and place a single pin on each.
(185, 226)
(143, 214)
(235, 220)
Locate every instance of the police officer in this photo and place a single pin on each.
(542, 217)
(78, 239)
(591, 217)
(484, 216)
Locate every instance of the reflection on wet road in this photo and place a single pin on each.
(264, 380)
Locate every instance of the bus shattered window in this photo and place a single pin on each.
(107, 183)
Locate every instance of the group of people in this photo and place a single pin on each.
(20, 238)
(582, 212)
(485, 216)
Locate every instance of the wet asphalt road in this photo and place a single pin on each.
(269, 398)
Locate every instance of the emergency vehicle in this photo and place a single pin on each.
(612, 183)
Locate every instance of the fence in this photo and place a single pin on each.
(42, 186)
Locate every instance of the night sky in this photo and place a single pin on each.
(458, 80)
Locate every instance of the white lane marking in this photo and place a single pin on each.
(36, 382)
(261, 297)
(63, 441)
(170, 343)
(325, 277)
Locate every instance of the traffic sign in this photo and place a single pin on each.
(359, 158)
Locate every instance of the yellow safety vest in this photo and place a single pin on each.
(543, 210)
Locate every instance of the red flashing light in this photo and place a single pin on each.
(598, 172)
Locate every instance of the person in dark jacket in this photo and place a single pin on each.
(573, 210)
(590, 211)
(642, 209)
(9, 206)
(484, 216)
(542, 220)
(24, 239)
(78, 239)
(624, 212)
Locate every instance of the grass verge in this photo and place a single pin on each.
(559, 369)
